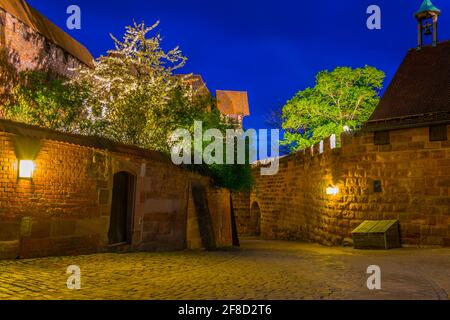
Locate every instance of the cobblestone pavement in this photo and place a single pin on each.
(259, 270)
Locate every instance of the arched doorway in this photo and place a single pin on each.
(255, 219)
(120, 225)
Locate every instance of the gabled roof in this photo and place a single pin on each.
(196, 82)
(420, 89)
(32, 18)
(233, 102)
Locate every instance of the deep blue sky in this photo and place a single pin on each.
(272, 49)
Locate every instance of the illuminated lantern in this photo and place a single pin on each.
(26, 169)
(332, 191)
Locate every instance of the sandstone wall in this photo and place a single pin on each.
(415, 179)
(65, 209)
(25, 49)
(241, 205)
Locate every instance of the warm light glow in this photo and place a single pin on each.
(26, 169)
(332, 191)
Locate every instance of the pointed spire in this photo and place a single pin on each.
(427, 6)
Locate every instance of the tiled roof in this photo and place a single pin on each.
(197, 83)
(420, 88)
(32, 18)
(233, 102)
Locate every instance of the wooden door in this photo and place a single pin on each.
(122, 208)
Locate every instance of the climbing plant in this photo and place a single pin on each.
(42, 99)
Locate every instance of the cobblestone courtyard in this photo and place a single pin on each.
(259, 270)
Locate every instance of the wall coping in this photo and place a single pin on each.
(346, 138)
(35, 132)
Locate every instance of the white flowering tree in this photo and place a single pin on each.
(134, 98)
(130, 89)
(131, 95)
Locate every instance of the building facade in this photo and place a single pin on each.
(396, 167)
(63, 194)
(233, 105)
(29, 41)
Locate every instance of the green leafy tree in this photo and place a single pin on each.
(48, 101)
(183, 113)
(344, 97)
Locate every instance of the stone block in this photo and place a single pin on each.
(9, 249)
(40, 229)
(9, 231)
(164, 227)
(90, 227)
(446, 242)
(150, 227)
(63, 228)
(434, 241)
(443, 182)
(103, 197)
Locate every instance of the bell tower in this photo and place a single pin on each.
(427, 17)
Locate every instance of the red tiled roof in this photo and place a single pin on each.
(233, 102)
(196, 82)
(420, 87)
(32, 18)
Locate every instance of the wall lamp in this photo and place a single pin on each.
(26, 169)
(332, 191)
(26, 150)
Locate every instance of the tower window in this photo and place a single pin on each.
(438, 133)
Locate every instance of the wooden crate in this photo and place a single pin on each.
(382, 234)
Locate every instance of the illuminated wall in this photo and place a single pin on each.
(65, 208)
(408, 180)
(22, 48)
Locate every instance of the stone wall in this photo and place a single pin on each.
(415, 181)
(22, 48)
(241, 205)
(65, 208)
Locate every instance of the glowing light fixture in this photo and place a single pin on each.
(26, 169)
(332, 191)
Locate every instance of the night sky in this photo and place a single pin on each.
(272, 49)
